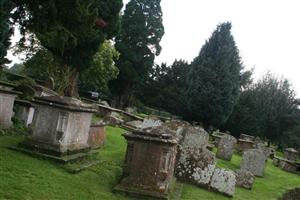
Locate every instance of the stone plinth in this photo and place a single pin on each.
(291, 154)
(60, 126)
(24, 111)
(226, 147)
(96, 136)
(244, 145)
(7, 98)
(149, 163)
(254, 161)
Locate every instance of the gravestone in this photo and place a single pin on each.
(244, 179)
(223, 181)
(196, 166)
(247, 137)
(149, 163)
(60, 126)
(254, 161)
(226, 147)
(96, 135)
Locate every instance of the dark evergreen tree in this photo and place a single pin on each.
(268, 109)
(72, 30)
(138, 44)
(166, 88)
(5, 29)
(215, 78)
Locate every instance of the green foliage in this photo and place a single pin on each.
(268, 109)
(41, 179)
(43, 66)
(214, 80)
(69, 29)
(138, 44)
(102, 69)
(5, 29)
(17, 69)
(166, 87)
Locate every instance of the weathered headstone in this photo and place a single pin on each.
(96, 135)
(244, 179)
(254, 161)
(223, 181)
(226, 147)
(196, 166)
(149, 163)
(247, 137)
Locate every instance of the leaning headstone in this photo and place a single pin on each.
(244, 179)
(196, 166)
(223, 181)
(226, 147)
(254, 161)
(193, 137)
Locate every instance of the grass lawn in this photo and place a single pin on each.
(25, 177)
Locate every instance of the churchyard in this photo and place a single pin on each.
(26, 177)
(88, 114)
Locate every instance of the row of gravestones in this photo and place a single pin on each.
(61, 126)
(194, 162)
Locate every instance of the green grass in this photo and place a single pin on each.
(25, 177)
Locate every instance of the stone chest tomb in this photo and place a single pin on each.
(60, 126)
(149, 162)
(291, 154)
(7, 98)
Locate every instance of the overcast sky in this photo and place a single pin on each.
(267, 32)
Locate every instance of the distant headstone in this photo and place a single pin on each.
(223, 181)
(226, 147)
(254, 161)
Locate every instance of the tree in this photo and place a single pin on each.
(5, 29)
(268, 109)
(71, 30)
(43, 66)
(166, 88)
(102, 69)
(215, 78)
(138, 44)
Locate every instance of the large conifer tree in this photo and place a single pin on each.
(215, 78)
(72, 30)
(138, 44)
